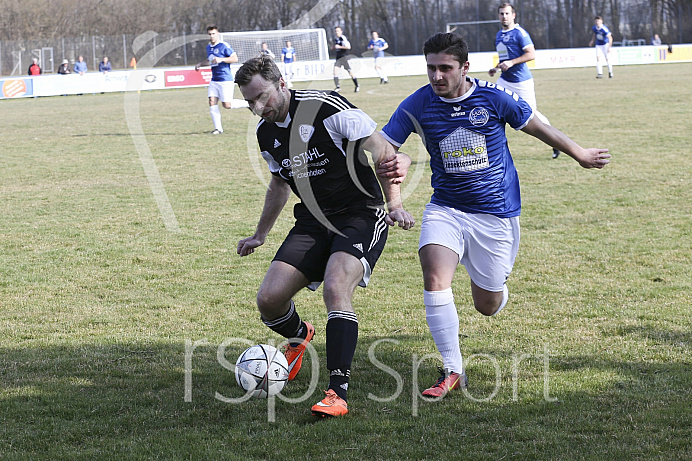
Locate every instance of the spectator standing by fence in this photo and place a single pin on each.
(34, 68)
(80, 66)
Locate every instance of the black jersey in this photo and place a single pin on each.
(317, 151)
(342, 41)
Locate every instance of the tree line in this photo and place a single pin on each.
(403, 23)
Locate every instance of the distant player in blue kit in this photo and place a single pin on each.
(219, 56)
(288, 57)
(378, 45)
(603, 40)
(473, 216)
(515, 48)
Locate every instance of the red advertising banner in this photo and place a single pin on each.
(187, 77)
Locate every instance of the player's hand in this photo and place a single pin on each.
(492, 71)
(247, 245)
(594, 158)
(394, 167)
(402, 217)
(197, 68)
(503, 66)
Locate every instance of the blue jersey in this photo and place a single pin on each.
(288, 54)
(377, 47)
(472, 168)
(220, 72)
(601, 34)
(510, 44)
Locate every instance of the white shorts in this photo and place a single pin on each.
(288, 68)
(487, 245)
(221, 90)
(379, 62)
(601, 50)
(524, 89)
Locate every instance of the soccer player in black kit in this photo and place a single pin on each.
(313, 143)
(342, 46)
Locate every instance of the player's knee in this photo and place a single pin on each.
(488, 308)
(268, 305)
(226, 105)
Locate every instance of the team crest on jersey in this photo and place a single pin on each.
(479, 116)
(305, 132)
(286, 163)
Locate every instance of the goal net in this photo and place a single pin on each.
(310, 44)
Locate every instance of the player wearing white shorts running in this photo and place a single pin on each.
(603, 40)
(377, 44)
(219, 56)
(515, 48)
(473, 214)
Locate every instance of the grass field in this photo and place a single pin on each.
(112, 312)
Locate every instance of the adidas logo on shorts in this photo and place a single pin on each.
(359, 246)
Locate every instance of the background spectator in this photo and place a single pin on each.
(64, 68)
(34, 68)
(105, 65)
(80, 66)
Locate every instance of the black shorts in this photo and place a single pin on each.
(343, 62)
(309, 245)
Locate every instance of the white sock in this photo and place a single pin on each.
(599, 66)
(216, 117)
(443, 322)
(610, 68)
(505, 298)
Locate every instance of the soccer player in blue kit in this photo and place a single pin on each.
(515, 48)
(377, 44)
(288, 56)
(219, 56)
(603, 40)
(473, 216)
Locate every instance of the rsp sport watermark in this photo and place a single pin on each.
(517, 362)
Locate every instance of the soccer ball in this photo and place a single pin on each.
(261, 370)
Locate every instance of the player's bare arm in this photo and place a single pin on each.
(394, 167)
(204, 63)
(275, 199)
(529, 55)
(381, 150)
(587, 158)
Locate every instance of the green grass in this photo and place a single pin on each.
(98, 299)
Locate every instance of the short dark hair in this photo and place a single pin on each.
(505, 5)
(212, 27)
(447, 43)
(598, 17)
(262, 65)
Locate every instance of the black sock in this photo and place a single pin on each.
(336, 82)
(355, 81)
(288, 325)
(342, 337)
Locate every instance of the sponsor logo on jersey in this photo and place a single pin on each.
(305, 132)
(463, 151)
(479, 116)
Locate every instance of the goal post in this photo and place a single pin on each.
(310, 44)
